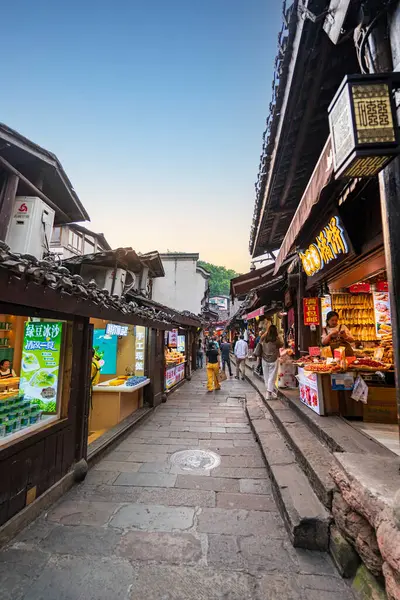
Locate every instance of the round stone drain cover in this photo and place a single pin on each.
(195, 460)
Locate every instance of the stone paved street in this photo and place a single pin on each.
(140, 528)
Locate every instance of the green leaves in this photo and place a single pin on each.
(220, 278)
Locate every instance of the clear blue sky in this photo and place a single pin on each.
(155, 109)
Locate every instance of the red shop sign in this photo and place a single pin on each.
(311, 311)
(360, 288)
(382, 286)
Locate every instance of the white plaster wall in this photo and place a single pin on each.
(182, 287)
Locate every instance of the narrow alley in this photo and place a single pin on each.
(146, 525)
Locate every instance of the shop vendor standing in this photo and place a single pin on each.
(335, 335)
(5, 369)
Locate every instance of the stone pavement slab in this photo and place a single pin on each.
(174, 549)
(83, 512)
(255, 486)
(146, 479)
(216, 484)
(190, 583)
(240, 522)
(151, 517)
(139, 529)
(71, 578)
(246, 501)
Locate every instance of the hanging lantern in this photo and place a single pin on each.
(363, 125)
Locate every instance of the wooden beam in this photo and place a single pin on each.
(7, 202)
(34, 189)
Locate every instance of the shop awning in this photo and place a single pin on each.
(322, 175)
(243, 284)
(259, 312)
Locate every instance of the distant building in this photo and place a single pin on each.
(121, 271)
(221, 304)
(185, 285)
(72, 240)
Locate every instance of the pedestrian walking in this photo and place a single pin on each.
(215, 341)
(200, 354)
(226, 356)
(241, 353)
(271, 342)
(212, 359)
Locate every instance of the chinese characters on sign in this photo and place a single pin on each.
(373, 112)
(179, 373)
(311, 311)
(170, 377)
(40, 363)
(173, 338)
(328, 245)
(140, 350)
(363, 126)
(113, 329)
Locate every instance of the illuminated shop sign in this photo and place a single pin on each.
(328, 245)
(113, 329)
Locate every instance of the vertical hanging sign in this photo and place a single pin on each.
(311, 311)
(139, 350)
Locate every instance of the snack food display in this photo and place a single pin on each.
(173, 357)
(357, 313)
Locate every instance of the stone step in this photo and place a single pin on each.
(306, 519)
(313, 457)
(334, 431)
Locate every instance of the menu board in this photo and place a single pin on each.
(40, 364)
(181, 343)
(326, 306)
(383, 320)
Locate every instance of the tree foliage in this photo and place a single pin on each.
(220, 278)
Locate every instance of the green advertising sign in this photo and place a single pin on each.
(40, 363)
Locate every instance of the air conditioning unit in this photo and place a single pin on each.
(31, 226)
(131, 282)
(116, 276)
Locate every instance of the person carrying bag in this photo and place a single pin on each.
(270, 357)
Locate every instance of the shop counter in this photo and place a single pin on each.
(174, 374)
(316, 392)
(112, 404)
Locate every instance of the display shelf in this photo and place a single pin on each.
(8, 382)
(357, 313)
(105, 387)
(169, 365)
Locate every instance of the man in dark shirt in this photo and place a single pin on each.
(225, 354)
(212, 368)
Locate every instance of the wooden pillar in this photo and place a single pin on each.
(380, 46)
(8, 194)
(83, 356)
(153, 392)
